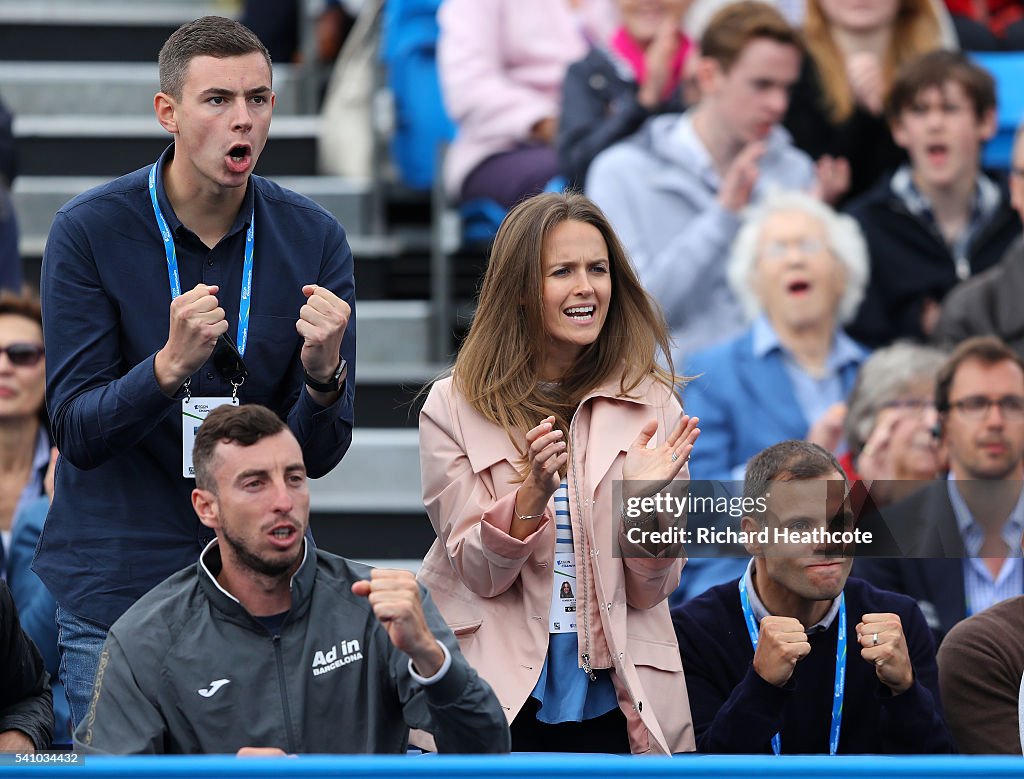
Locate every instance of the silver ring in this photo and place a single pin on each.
(674, 456)
(874, 640)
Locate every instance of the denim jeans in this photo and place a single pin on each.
(80, 641)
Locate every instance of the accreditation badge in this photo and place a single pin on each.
(562, 617)
(193, 412)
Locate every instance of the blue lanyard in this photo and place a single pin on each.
(245, 301)
(753, 628)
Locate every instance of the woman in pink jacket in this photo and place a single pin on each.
(501, 64)
(556, 400)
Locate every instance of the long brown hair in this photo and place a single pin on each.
(915, 31)
(498, 369)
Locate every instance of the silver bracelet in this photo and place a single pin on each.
(638, 521)
(526, 517)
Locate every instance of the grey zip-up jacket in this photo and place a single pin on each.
(659, 190)
(188, 670)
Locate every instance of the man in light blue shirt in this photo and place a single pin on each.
(962, 536)
(989, 580)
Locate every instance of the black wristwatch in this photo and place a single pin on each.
(334, 384)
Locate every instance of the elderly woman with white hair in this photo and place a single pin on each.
(799, 270)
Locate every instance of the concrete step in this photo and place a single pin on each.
(389, 266)
(373, 255)
(384, 540)
(393, 332)
(38, 198)
(390, 394)
(84, 10)
(64, 30)
(370, 505)
(106, 88)
(109, 146)
(380, 474)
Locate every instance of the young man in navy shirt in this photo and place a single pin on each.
(153, 287)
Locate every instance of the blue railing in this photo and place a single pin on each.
(531, 767)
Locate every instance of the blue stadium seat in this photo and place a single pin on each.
(422, 130)
(557, 184)
(409, 49)
(481, 219)
(1007, 68)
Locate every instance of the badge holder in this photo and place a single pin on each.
(229, 365)
(562, 615)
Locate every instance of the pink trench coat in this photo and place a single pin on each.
(495, 591)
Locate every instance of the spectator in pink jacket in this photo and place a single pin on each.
(556, 398)
(501, 64)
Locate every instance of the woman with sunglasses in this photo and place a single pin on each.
(24, 439)
(26, 480)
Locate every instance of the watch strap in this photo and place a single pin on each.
(334, 384)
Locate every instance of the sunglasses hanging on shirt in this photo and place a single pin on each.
(229, 365)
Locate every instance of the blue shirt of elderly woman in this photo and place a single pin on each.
(799, 270)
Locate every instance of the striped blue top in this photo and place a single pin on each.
(564, 692)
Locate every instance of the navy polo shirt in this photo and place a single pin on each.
(121, 519)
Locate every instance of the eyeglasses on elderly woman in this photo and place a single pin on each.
(920, 405)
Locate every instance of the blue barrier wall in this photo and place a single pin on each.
(531, 767)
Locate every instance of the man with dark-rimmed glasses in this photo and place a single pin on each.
(967, 529)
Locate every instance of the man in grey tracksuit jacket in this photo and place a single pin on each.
(269, 646)
(675, 191)
(188, 670)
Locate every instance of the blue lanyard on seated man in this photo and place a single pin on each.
(840, 679)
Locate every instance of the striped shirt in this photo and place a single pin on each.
(981, 588)
(563, 522)
(564, 691)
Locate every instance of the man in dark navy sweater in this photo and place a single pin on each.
(817, 682)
